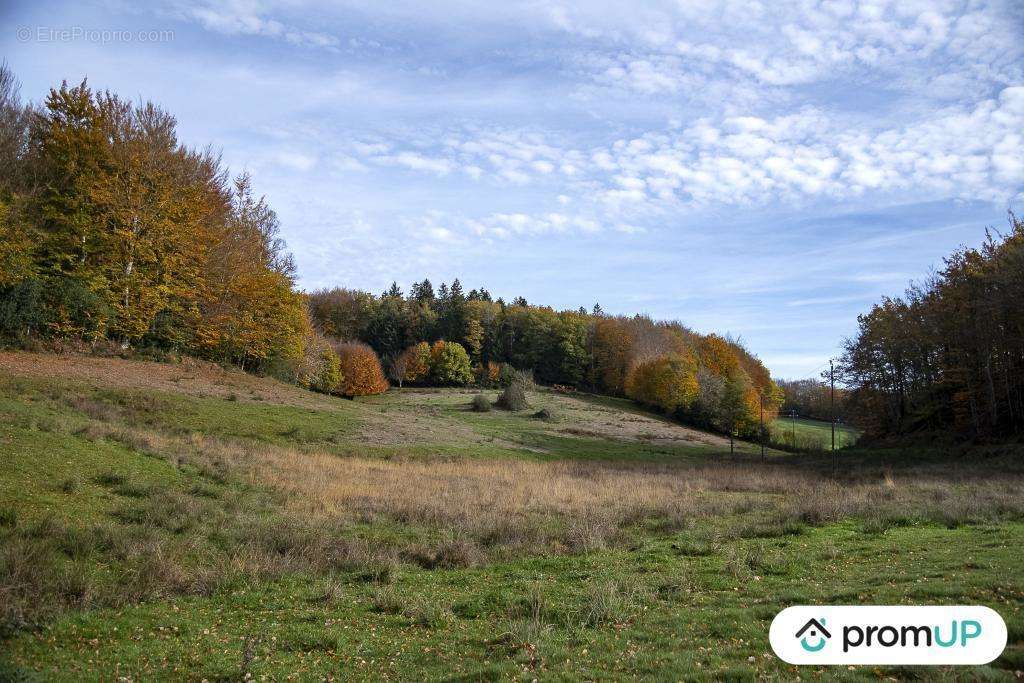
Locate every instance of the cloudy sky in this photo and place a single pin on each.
(764, 169)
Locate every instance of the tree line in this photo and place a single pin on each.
(813, 398)
(114, 232)
(948, 356)
(450, 336)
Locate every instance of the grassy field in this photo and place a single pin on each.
(810, 434)
(180, 521)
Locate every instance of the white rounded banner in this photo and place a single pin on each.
(888, 634)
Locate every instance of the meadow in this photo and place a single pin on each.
(181, 520)
(807, 434)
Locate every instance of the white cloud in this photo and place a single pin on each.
(417, 162)
(296, 160)
(960, 152)
(250, 17)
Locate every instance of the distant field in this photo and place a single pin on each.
(811, 434)
(179, 521)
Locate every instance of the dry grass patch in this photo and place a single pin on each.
(576, 505)
(189, 376)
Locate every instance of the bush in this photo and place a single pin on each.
(449, 364)
(61, 306)
(22, 309)
(523, 378)
(361, 373)
(75, 310)
(513, 398)
(480, 404)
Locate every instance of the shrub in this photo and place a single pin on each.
(449, 364)
(75, 310)
(524, 378)
(361, 373)
(513, 398)
(61, 306)
(480, 404)
(22, 309)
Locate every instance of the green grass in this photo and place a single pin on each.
(156, 556)
(811, 434)
(649, 612)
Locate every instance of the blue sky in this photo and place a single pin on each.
(763, 169)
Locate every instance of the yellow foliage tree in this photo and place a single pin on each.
(669, 382)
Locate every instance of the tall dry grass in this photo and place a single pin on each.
(434, 512)
(580, 505)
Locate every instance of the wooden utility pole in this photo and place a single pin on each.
(832, 410)
(762, 428)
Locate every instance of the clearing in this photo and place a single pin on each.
(802, 432)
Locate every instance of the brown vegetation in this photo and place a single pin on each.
(189, 376)
(361, 373)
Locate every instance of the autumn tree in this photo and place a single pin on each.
(361, 373)
(946, 357)
(150, 207)
(667, 382)
(449, 364)
(320, 369)
(611, 355)
(249, 310)
(415, 362)
(68, 153)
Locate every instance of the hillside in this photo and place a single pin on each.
(412, 420)
(182, 518)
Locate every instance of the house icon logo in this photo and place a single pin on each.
(815, 631)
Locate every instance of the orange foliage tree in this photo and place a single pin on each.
(415, 362)
(361, 373)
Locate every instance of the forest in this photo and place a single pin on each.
(947, 357)
(111, 231)
(451, 337)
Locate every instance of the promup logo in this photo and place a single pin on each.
(888, 635)
(817, 630)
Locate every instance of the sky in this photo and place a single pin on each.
(767, 170)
